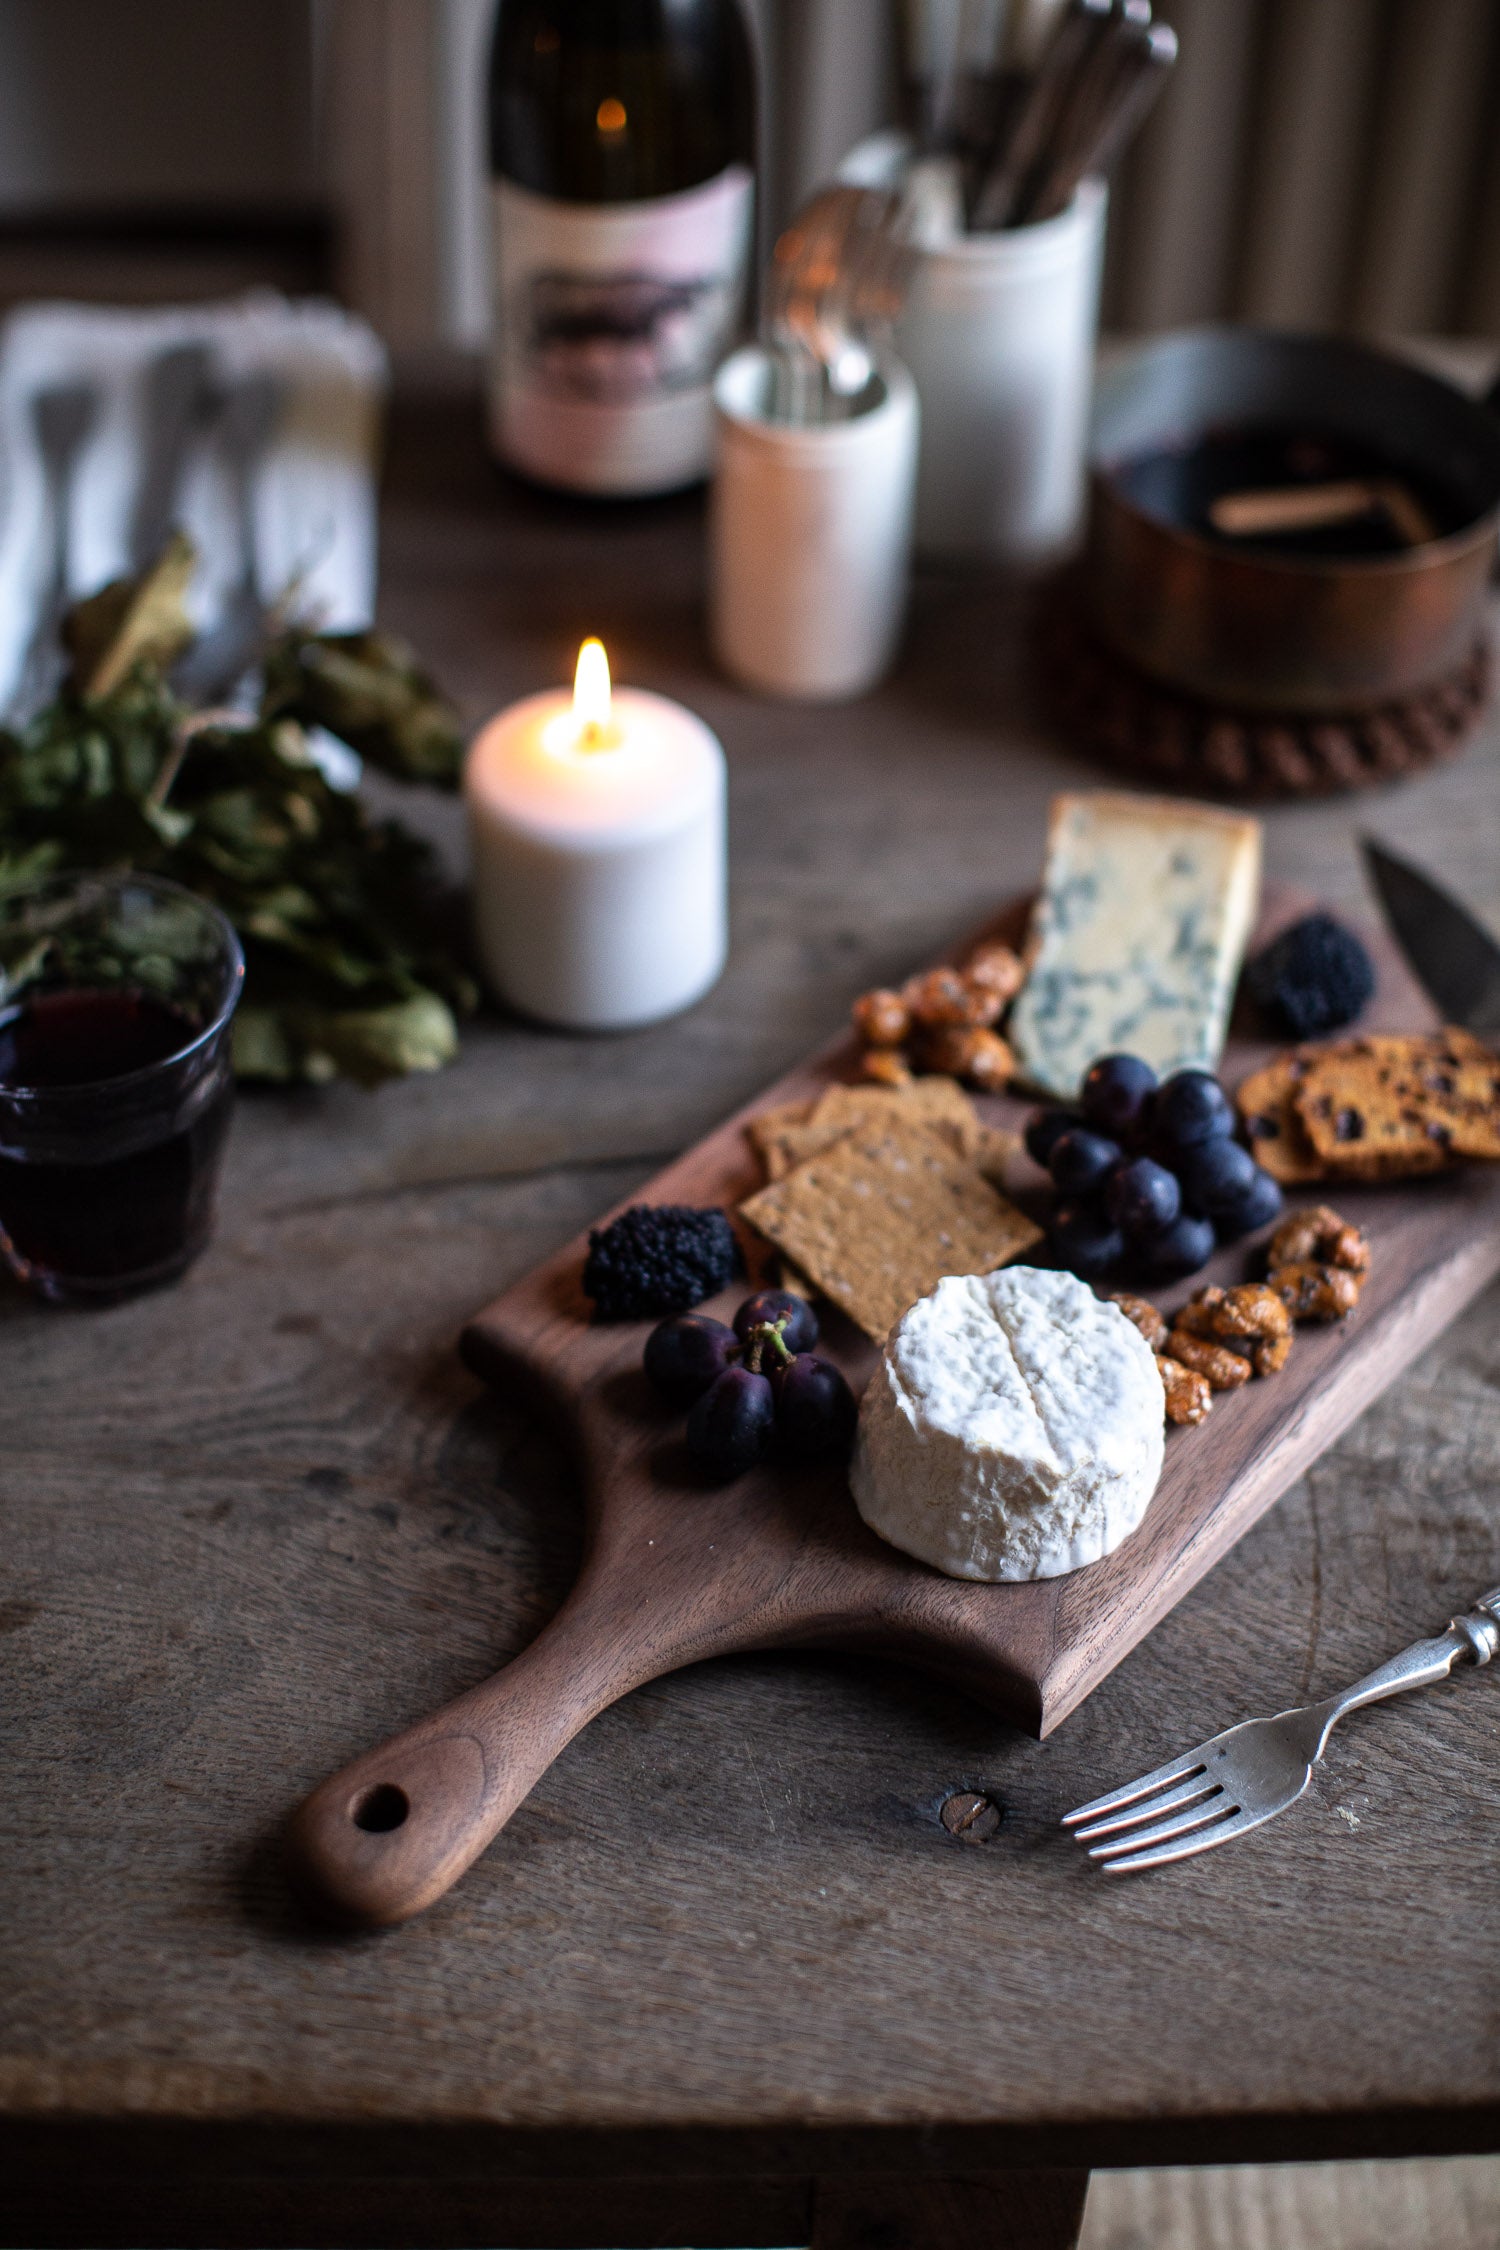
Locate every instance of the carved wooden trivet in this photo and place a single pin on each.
(1175, 740)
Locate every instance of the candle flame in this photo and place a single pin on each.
(593, 712)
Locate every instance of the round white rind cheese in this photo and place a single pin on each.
(1014, 1428)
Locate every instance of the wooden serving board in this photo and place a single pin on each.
(674, 1572)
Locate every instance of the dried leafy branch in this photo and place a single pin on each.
(349, 967)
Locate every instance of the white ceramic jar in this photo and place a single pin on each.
(999, 332)
(809, 536)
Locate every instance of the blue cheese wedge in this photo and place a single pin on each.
(1146, 908)
(1013, 1429)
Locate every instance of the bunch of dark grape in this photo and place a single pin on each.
(1148, 1175)
(753, 1390)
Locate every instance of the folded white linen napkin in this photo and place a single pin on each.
(251, 425)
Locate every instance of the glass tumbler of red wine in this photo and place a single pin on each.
(116, 993)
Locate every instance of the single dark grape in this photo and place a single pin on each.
(1183, 1248)
(1080, 1159)
(1084, 1240)
(1259, 1204)
(1142, 1198)
(729, 1429)
(1117, 1096)
(1192, 1107)
(1216, 1176)
(801, 1330)
(1044, 1128)
(688, 1352)
(815, 1411)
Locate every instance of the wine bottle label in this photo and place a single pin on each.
(609, 320)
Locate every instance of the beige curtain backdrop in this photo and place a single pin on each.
(1319, 163)
(1324, 163)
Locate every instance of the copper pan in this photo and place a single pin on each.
(1263, 632)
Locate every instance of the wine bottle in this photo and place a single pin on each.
(622, 190)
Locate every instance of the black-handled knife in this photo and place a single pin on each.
(1454, 958)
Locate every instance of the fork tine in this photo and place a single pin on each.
(1188, 1792)
(1214, 1807)
(1175, 1769)
(1184, 1847)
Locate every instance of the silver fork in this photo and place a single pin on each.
(1250, 1773)
(249, 412)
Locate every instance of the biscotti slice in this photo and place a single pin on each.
(1386, 1107)
(1268, 1107)
(1147, 905)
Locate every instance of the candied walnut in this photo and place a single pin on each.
(1142, 1314)
(985, 1005)
(1224, 1370)
(997, 969)
(1270, 1353)
(1197, 1315)
(943, 999)
(980, 1058)
(1252, 1322)
(1189, 1395)
(882, 1019)
(1321, 1236)
(886, 1065)
(1251, 1310)
(1313, 1291)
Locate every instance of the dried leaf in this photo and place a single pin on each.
(348, 966)
(132, 621)
(369, 690)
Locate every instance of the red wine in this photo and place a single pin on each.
(77, 1038)
(106, 1179)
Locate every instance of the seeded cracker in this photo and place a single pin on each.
(765, 1133)
(936, 1101)
(794, 1144)
(787, 1136)
(997, 1153)
(879, 1218)
(793, 1278)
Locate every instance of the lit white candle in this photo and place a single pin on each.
(597, 826)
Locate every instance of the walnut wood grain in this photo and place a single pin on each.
(1017, 2210)
(675, 1573)
(996, 2211)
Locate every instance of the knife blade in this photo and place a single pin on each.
(1455, 959)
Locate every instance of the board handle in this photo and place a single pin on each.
(387, 1835)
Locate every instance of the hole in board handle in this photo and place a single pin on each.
(381, 1809)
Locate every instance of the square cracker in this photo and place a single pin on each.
(1384, 1107)
(794, 1279)
(787, 1136)
(765, 1134)
(882, 1215)
(936, 1101)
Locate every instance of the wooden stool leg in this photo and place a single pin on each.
(986, 2211)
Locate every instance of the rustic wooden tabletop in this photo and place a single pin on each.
(726, 1977)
